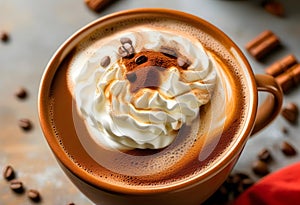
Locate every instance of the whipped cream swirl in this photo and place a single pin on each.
(149, 118)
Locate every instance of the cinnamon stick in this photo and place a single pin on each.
(281, 65)
(262, 44)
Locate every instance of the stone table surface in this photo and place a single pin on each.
(37, 28)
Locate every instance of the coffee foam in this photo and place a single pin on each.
(210, 149)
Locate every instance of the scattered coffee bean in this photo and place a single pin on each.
(183, 62)
(4, 36)
(168, 52)
(290, 113)
(105, 61)
(124, 40)
(25, 124)
(131, 77)
(221, 196)
(260, 168)
(98, 5)
(264, 155)
(234, 185)
(17, 186)
(141, 59)
(287, 149)
(21, 93)
(285, 130)
(246, 183)
(8, 173)
(34, 195)
(243, 186)
(275, 8)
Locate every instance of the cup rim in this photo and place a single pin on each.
(67, 46)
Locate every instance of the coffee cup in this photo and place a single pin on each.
(151, 106)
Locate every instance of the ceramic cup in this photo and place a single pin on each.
(190, 191)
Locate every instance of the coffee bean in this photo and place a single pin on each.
(248, 182)
(141, 59)
(287, 149)
(129, 48)
(264, 155)
(98, 5)
(105, 61)
(285, 130)
(171, 53)
(124, 40)
(221, 196)
(34, 195)
(25, 124)
(4, 36)
(21, 93)
(8, 173)
(260, 168)
(131, 77)
(17, 186)
(290, 113)
(183, 62)
(126, 51)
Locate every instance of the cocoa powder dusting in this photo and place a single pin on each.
(147, 73)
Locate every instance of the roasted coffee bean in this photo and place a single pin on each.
(124, 40)
(275, 8)
(17, 186)
(260, 168)
(122, 51)
(98, 5)
(105, 61)
(285, 130)
(8, 173)
(129, 48)
(131, 77)
(221, 196)
(264, 155)
(168, 52)
(290, 113)
(34, 195)
(246, 183)
(233, 180)
(238, 182)
(183, 62)
(126, 50)
(141, 59)
(25, 124)
(4, 36)
(287, 149)
(21, 93)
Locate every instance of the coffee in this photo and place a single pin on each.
(199, 144)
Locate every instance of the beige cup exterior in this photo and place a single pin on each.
(192, 192)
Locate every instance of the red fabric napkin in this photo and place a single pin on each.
(279, 188)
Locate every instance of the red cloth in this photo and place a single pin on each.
(279, 188)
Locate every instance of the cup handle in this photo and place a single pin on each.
(271, 106)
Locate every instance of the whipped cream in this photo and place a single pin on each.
(149, 118)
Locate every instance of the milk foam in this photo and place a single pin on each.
(119, 119)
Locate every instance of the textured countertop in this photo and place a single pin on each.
(37, 28)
